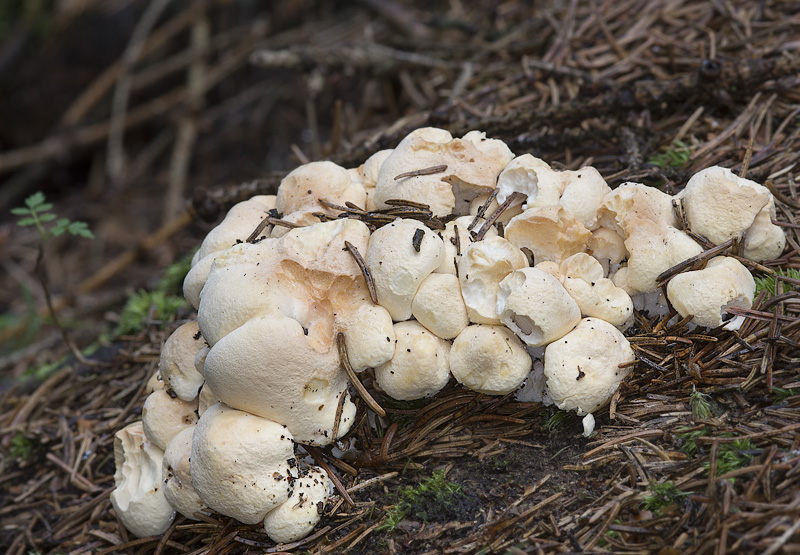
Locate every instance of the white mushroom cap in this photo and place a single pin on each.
(705, 294)
(489, 359)
(302, 188)
(200, 360)
(548, 232)
(764, 240)
(369, 336)
(451, 254)
(552, 268)
(631, 202)
(138, 497)
(241, 465)
(420, 366)
(371, 169)
(177, 476)
(582, 368)
(532, 177)
(535, 306)
(240, 221)
(196, 278)
(584, 193)
(270, 368)
(439, 307)
(654, 249)
(163, 417)
(596, 295)
(720, 205)
(176, 363)
(474, 163)
(397, 268)
(296, 517)
(482, 267)
(301, 218)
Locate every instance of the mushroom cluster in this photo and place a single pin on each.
(444, 257)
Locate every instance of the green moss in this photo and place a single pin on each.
(144, 307)
(765, 281)
(433, 499)
(676, 156)
(662, 495)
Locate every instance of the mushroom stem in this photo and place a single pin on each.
(320, 460)
(362, 391)
(364, 270)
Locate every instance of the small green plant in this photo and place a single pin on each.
(732, 456)
(172, 280)
(431, 497)
(701, 408)
(782, 394)
(37, 212)
(144, 305)
(21, 448)
(558, 419)
(662, 495)
(688, 439)
(676, 156)
(765, 281)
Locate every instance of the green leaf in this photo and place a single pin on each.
(44, 207)
(63, 222)
(24, 222)
(21, 211)
(35, 200)
(47, 217)
(58, 230)
(81, 229)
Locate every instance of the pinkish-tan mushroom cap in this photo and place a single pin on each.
(548, 233)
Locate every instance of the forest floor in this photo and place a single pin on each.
(149, 119)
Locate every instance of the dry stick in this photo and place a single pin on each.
(119, 103)
(362, 391)
(677, 268)
(319, 457)
(496, 214)
(482, 210)
(780, 196)
(424, 171)
(748, 155)
(364, 270)
(338, 418)
(409, 203)
(257, 231)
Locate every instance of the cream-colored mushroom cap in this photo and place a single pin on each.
(268, 367)
(552, 268)
(548, 233)
(242, 464)
(596, 295)
(240, 221)
(583, 367)
(138, 498)
(720, 205)
(237, 226)
(583, 194)
(439, 307)
(397, 267)
(302, 188)
(483, 265)
(296, 517)
(420, 366)
(473, 164)
(177, 476)
(534, 181)
(370, 170)
(535, 306)
(176, 363)
(154, 383)
(206, 399)
(631, 202)
(706, 294)
(489, 359)
(369, 336)
(764, 240)
(164, 416)
(453, 249)
(653, 249)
